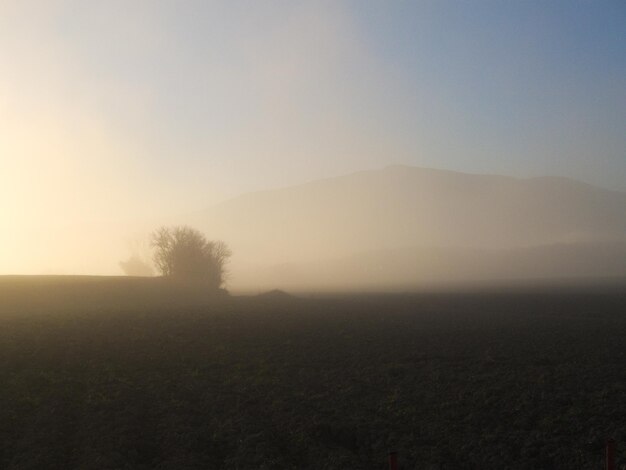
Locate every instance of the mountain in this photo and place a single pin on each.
(407, 219)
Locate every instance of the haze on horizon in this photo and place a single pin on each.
(116, 117)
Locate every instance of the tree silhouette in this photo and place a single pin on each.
(185, 253)
(136, 266)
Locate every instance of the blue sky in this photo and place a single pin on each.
(523, 88)
(178, 105)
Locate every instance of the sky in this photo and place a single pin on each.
(114, 115)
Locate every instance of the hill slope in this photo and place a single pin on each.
(407, 208)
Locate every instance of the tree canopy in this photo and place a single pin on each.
(184, 252)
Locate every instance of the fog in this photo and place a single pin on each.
(405, 227)
(299, 134)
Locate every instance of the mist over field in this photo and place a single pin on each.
(321, 234)
(404, 227)
(399, 228)
(301, 135)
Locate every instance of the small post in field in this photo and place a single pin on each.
(610, 454)
(393, 460)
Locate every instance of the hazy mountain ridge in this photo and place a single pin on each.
(449, 213)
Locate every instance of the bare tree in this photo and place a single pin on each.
(219, 254)
(184, 252)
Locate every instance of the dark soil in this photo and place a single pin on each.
(122, 380)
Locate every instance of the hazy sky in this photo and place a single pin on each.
(118, 111)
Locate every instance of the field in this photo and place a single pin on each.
(140, 374)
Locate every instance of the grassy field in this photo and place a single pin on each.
(114, 373)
